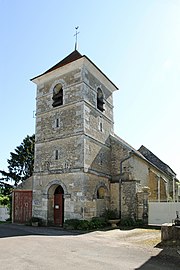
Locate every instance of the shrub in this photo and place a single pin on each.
(110, 214)
(127, 222)
(35, 219)
(85, 225)
(97, 223)
(71, 224)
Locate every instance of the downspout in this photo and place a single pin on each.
(174, 194)
(159, 188)
(120, 180)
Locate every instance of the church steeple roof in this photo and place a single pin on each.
(75, 55)
(68, 59)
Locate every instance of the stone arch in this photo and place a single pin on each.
(62, 82)
(102, 203)
(55, 183)
(55, 201)
(58, 95)
(100, 185)
(57, 91)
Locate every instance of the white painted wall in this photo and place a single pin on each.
(162, 212)
(4, 213)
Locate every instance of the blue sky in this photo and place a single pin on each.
(136, 43)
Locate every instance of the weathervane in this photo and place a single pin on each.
(77, 27)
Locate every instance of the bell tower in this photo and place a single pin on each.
(74, 118)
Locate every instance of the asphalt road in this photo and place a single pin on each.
(23, 247)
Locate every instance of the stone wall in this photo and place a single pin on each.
(70, 155)
(158, 187)
(128, 199)
(74, 154)
(115, 197)
(118, 152)
(170, 232)
(80, 194)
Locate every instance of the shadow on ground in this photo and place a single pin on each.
(170, 253)
(14, 230)
(161, 260)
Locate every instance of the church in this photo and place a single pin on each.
(81, 167)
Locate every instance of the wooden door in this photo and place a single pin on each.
(22, 208)
(58, 208)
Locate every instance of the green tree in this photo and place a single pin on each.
(21, 162)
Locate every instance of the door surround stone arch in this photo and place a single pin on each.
(50, 192)
(55, 183)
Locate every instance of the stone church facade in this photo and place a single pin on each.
(81, 167)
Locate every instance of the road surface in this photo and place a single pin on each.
(24, 247)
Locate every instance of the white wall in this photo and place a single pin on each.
(4, 213)
(162, 212)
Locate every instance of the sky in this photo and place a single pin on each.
(136, 43)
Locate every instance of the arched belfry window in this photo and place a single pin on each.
(100, 100)
(57, 95)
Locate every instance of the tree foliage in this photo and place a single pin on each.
(4, 200)
(21, 162)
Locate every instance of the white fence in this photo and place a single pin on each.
(4, 213)
(162, 212)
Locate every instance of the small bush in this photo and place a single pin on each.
(85, 225)
(110, 214)
(127, 222)
(35, 219)
(71, 224)
(97, 223)
(139, 223)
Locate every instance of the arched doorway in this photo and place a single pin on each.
(58, 206)
(102, 199)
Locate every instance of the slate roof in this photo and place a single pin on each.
(156, 161)
(127, 145)
(75, 55)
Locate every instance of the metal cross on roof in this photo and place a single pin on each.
(77, 27)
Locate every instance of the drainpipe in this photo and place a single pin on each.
(159, 191)
(174, 189)
(120, 180)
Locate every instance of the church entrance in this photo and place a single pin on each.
(58, 206)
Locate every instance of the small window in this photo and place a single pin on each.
(100, 124)
(57, 123)
(100, 100)
(57, 95)
(101, 193)
(101, 159)
(56, 155)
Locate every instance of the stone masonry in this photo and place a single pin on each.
(81, 167)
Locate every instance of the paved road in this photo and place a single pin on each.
(23, 247)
